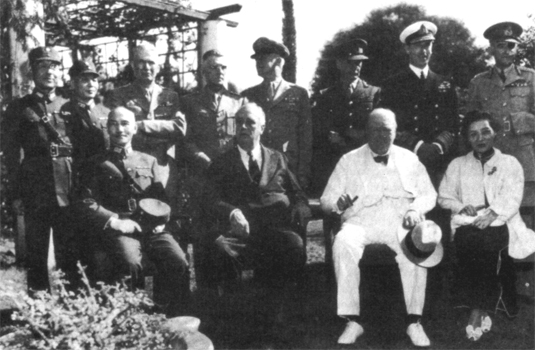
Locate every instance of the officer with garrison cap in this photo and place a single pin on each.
(507, 92)
(287, 108)
(110, 197)
(341, 112)
(425, 103)
(40, 179)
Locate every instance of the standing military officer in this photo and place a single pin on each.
(40, 180)
(341, 112)
(507, 92)
(88, 131)
(425, 103)
(109, 195)
(287, 108)
(159, 122)
(210, 113)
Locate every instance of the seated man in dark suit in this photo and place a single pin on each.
(255, 200)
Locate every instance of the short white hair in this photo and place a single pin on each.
(144, 47)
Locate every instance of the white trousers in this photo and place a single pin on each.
(348, 248)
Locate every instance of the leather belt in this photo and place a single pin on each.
(60, 150)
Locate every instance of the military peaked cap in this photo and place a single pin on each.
(42, 53)
(80, 67)
(352, 50)
(153, 212)
(417, 32)
(264, 46)
(504, 31)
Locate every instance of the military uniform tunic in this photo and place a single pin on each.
(424, 109)
(41, 178)
(88, 130)
(288, 124)
(346, 115)
(160, 126)
(115, 183)
(511, 103)
(211, 121)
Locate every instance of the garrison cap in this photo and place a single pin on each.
(81, 67)
(264, 46)
(154, 212)
(42, 53)
(417, 32)
(211, 53)
(504, 31)
(352, 50)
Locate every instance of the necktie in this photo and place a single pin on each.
(381, 159)
(422, 76)
(254, 170)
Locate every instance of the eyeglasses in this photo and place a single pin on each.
(506, 45)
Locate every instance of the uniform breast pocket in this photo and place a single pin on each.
(143, 177)
(520, 97)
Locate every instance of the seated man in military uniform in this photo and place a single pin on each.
(109, 197)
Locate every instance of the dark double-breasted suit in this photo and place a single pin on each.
(424, 109)
(288, 124)
(273, 245)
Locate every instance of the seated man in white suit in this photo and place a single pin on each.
(381, 191)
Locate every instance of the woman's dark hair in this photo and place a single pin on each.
(475, 116)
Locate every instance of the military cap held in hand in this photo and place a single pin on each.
(418, 31)
(153, 212)
(504, 31)
(42, 53)
(352, 50)
(264, 46)
(80, 67)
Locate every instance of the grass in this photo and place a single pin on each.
(237, 319)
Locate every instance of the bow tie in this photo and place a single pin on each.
(119, 152)
(381, 159)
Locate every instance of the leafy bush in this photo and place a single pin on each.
(105, 317)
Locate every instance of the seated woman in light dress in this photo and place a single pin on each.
(483, 190)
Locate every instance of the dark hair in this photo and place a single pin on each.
(475, 116)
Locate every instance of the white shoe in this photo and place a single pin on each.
(351, 333)
(416, 332)
(473, 334)
(486, 323)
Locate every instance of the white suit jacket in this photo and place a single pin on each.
(502, 180)
(352, 176)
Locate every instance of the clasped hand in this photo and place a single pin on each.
(482, 221)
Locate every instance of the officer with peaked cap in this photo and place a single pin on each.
(341, 111)
(507, 91)
(123, 227)
(424, 102)
(287, 108)
(40, 176)
(87, 121)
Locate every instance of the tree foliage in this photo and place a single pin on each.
(289, 39)
(526, 54)
(454, 53)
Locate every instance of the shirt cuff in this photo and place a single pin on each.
(107, 225)
(440, 150)
(417, 147)
(233, 212)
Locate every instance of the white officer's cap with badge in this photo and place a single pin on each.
(417, 32)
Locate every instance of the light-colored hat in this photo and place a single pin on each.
(422, 244)
(418, 31)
